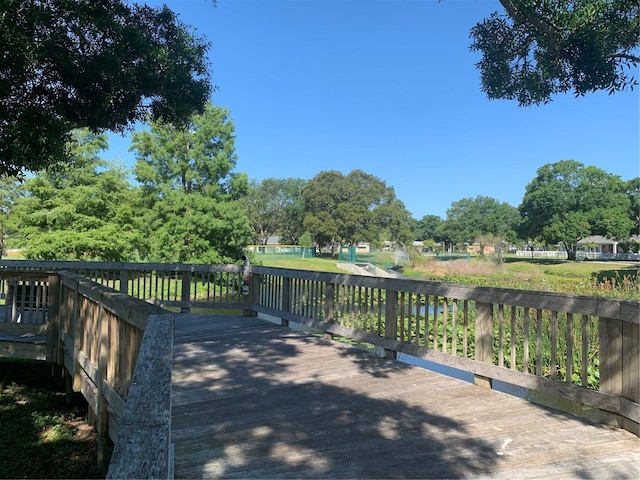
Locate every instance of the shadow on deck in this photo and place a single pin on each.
(255, 400)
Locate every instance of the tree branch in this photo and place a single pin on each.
(550, 31)
(627, 56)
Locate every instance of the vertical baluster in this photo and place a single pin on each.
(465, 333)
(445, 321)
(525, 346)
(435, 322)
(554, 345)
(513, 338)
(585, 351)
(454, 326)
(539, 342)
(569, 338)
(501, 335)
(402, 315)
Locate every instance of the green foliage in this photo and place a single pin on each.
(470, 218)
(632, 189)
(306, 240)
(275, 206)
(567, 201)
(10, 191)
(428, 227)
(352, 209)
(100, 65)
(79, 211)
(541, 48)
(190, 198)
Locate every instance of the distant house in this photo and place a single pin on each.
(598, 244)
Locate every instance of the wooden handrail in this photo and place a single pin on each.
(116, 351)
(493, 333)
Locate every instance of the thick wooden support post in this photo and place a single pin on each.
(391, 320)
(124, 281)
(484, 340)
(186, 292)
(253, 297)
(105, 445)
(329, 302)
(54, 354)
(611, 366)
(631, 370)
(286, 299)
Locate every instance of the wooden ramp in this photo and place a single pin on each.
(255, 400)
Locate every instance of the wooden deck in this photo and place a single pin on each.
(255, 400)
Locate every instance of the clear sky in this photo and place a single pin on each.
(390, 87)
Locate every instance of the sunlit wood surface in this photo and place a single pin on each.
(255, 400)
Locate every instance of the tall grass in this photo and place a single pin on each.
(586, 278)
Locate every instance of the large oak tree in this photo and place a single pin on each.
(348, 209)
(567, 201)
(469, 219)
(100, 64)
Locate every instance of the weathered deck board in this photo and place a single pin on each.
(255, 400)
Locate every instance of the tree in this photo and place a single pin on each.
(567, 201)
(77, 212)
(275, 206)
(427, 227)
(10, 190)
(189, 193)
(97, 64)
(352, 209)
(471, 218)
(632, 189)
(544, 47)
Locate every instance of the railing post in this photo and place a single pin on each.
(105, 446)
(253, 297)
(286, 299)
(484, 340)
(186, 292)
(329, 302)
(631, 370)
(53, 319)
(124, 281)
(391, 320)
(611, 364)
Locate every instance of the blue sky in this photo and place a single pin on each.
(390, 87)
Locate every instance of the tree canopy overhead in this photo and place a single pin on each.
(543, 47)
(100, 64)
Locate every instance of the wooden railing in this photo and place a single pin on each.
(116, 350)
(584, 349)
